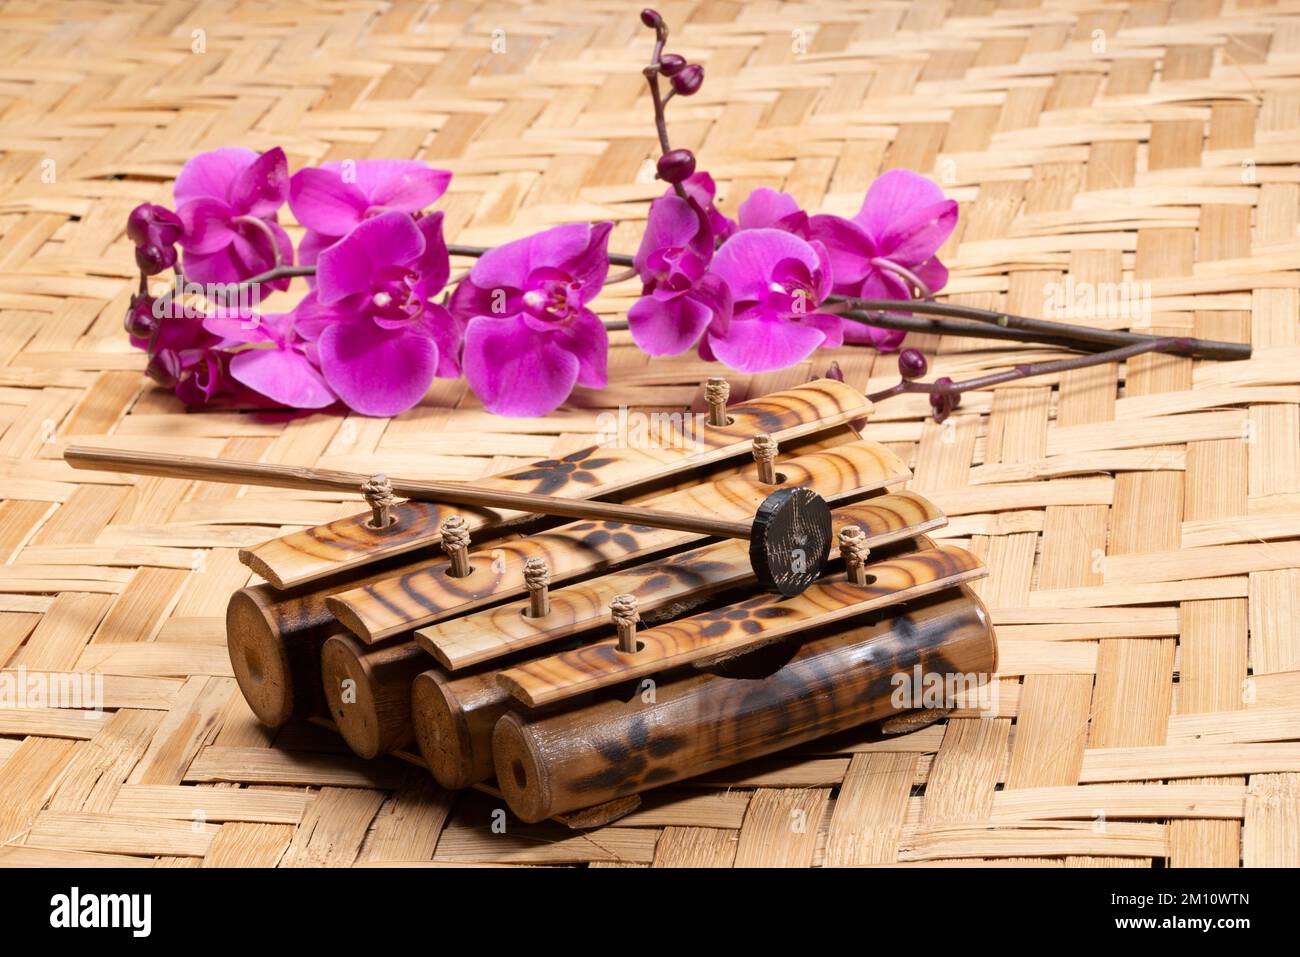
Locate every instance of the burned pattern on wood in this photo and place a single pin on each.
(790, 541)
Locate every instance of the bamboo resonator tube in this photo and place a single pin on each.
(554, 762)
(369, 692)
(453, 719)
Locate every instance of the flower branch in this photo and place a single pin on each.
(945, 394)
(384, 314)
(1035, 330)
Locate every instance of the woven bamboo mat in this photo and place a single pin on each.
(1142, 526)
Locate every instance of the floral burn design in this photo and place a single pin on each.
(552, 475)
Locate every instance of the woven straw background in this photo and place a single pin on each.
(1141, 525)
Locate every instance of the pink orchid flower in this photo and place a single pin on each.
(777, 280)
(228, 200)
(208, 379)
(379, 334)
(770, 208)
(530, 336)
(272, 358)
(679, 296)
(701, 188)
(336, 198)
(179, 350)
(903, 221)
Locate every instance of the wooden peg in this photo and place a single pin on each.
(623, 610)
(765, 449)
(379, 496)
(455, 542)
(537, 576)
(716, 392)
(853, 546)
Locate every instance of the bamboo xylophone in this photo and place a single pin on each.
(587, 627)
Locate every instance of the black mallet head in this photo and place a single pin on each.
(790, 540)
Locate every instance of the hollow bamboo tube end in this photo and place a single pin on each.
(368, 691)
(521, 774)
(261, 661)
(442, 732)
(347, 680)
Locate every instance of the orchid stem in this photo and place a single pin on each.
(661, 121)
(651, 74)
(1025, 370)
(473, 252)
(615, 259)
(1039, 330)
(956, 320)
(955, 327)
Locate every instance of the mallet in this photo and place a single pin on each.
(789, 538)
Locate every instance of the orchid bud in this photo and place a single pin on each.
(676, 166)
(912, 364)
(149, 224)
(942, 403)
(688, 81)
(670, 64)
(651, 18)
(140, 321)
(153, 259)
(164, 368)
